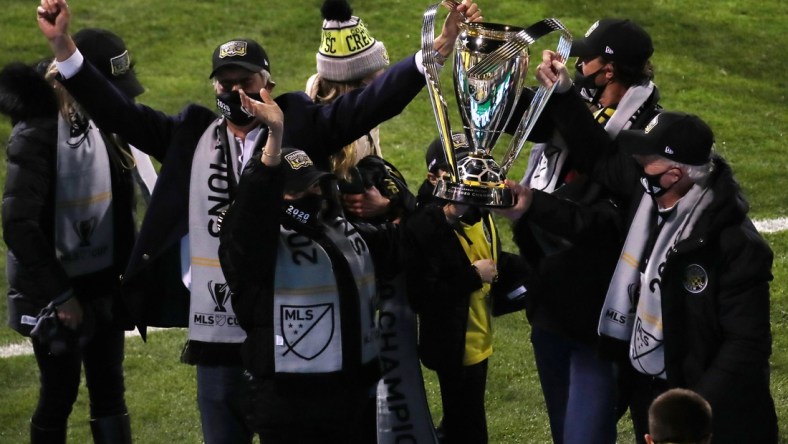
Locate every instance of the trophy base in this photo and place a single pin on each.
(476, 195)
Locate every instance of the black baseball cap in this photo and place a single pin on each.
(299, 170)
(620, 40)
(107, 52)
(683, 138)
(243, 53)
(436, 157)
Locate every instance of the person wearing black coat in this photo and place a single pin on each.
(452, 261)
(700, 320)
(303, 278)
(65, 248)
(614, 76)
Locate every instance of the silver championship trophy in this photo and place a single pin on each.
(490, 67)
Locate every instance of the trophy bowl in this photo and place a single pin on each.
(489, 76)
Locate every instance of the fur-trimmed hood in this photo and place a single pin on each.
(25, 94)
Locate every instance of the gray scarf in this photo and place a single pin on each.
(84, 241)
(213, 176)
(632, 310)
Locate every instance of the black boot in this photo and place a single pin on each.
(40, 435)
(111, 429)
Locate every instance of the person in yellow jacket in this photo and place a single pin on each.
(452, 258)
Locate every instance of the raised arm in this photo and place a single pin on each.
(467, 11)
(54, 18)
(593, 151)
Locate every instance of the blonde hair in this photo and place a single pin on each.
(67, 106)
(322, 90)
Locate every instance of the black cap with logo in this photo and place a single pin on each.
(107, 52)
(682, 138)
(243, 53)
(619, 40)
(299, 170)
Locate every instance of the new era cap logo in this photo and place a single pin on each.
(668, 150)
(232, 49)
(609, 50)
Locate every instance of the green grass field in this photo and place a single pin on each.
(719, 59)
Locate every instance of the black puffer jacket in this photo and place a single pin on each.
(35, 276)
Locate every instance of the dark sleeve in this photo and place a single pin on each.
(351, 115)
(592, 149)
(437, 269)
(743, 310)
(570, 220)
(143, 127)
(249, 237)
(27, 203)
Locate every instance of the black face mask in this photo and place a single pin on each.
(651, 183)
(305, 210)
(585, 84)
(229, 105)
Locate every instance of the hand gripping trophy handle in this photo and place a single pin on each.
(490, 65)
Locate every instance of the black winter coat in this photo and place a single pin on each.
(440, 280)
(715, 288)
(248, 254)
(575, 275)
(35, 276)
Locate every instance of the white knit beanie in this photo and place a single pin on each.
(347, 50)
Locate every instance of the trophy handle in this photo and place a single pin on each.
(439, 107)
(542, 94)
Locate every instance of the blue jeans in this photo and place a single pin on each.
(579, 389)
(219, 392)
